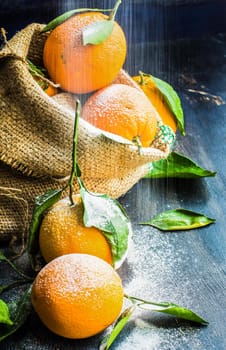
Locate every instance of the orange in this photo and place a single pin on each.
(77, 295)
(51, 90)
(152, 92)
(82, 68)
(62, 232)
(48, 88)
(39, 76)
(122, 110)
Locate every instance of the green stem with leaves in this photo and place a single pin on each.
(137, 142)
(141, 74)
(75, 170)
(116, 226)
(167, 308)
(138, 301)
(114, 11)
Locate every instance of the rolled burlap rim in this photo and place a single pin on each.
(36, 136)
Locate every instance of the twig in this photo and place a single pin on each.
(217, 99)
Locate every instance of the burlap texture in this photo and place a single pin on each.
(36, 138)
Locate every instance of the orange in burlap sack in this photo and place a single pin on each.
(36, 139)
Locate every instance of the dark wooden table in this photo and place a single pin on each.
(187, 267)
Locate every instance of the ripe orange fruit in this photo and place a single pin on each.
(82, 68)
(51, 90)
(77, 295)
(122, 110)
(155, 96)
(39, 76)
(62, 232)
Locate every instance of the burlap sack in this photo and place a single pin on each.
(36, 139)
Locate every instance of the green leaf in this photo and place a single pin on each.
(35, 69)
(177, 165)
(168, 308)
(108, 215)
(42, 203)
(97, 32)
(4, 313)
(118, 327)
(174, 310)
(19, 311)
(66, 15)
(179, 219)
(173, 101)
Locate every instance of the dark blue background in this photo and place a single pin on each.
(160, 19)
